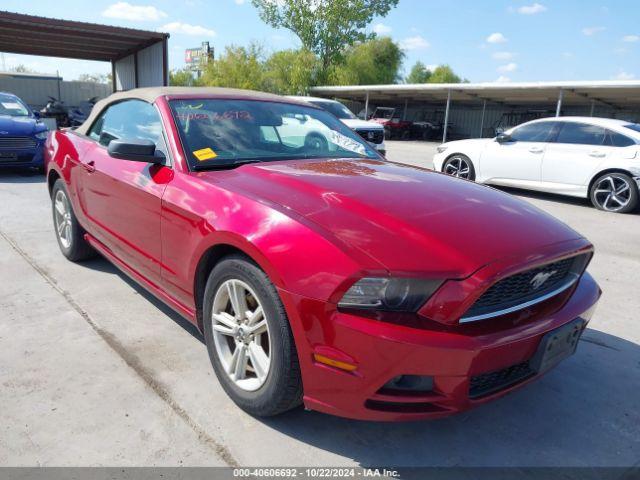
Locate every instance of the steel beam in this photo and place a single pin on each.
(446, 117)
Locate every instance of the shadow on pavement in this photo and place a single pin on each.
(100, 264)
(584, 413)
(18, 175)
(549, 197)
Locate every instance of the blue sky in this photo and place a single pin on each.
(533, 40)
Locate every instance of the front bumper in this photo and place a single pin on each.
(25, 158)
(382, 351)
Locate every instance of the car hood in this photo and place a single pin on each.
(355, 123)
(406, 218)
(19, 125)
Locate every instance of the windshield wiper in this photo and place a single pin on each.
(225, 166)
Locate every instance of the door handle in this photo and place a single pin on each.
(536, 150)
(597, 154)
(89, 166)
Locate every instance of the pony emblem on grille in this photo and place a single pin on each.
(541, 278)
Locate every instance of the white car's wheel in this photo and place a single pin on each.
(614, 192)
(459, 165)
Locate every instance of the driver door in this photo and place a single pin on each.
(518, 162)
(122, 198)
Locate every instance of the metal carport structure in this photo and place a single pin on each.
(621, 96)
(139, 58)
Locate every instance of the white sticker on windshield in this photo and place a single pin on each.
(347, 143)
(12, 106)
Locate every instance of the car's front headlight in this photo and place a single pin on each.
(389, 294)
(441, 148)
(42, 135)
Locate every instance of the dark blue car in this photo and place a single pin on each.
(22, 134)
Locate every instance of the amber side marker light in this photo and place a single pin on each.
(334, 363)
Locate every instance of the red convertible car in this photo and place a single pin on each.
(318, 272)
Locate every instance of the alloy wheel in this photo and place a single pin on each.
(457, 167)
(612, 193)
(63, 218)
(241, 335)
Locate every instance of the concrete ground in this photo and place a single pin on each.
(94, 371)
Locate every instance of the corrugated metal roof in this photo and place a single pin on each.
(618, 94)
(33, 35)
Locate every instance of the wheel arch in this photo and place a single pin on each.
(598, 174)
(212, 255)
(52, 177)
(458, 152)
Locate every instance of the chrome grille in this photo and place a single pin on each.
(17, 142)
(372, 135)
(525, 287)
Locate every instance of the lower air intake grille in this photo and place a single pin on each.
(488, 383)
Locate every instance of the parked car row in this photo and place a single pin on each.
(319, 273)
(594, 158)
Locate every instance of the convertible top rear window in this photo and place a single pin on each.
(219, 133)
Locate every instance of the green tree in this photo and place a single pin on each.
(290, 72)
(181, 78)
(419, 73)
(374, 62)
(95, 77)
(325, 27)
(237, 67)
(444, 74)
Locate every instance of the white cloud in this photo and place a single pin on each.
(382, 29)
(496, 38)
(631, 38)
(588, 31)
(414, 43)
(503, 79)
(509, 67)
(503, 56)
(431, 67)
(532, 9)
(126, 11)
(239, 2)
(187, 29)
(622, 75)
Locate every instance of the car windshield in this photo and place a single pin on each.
(221, 133)
(338, 109)
(12, 106)
(633, 126)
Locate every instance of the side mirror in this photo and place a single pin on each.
(36, 115)
(504, 138)
(137, 150)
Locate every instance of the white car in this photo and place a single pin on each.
(595, 158)
(372, 132)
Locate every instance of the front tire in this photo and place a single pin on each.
(614, 192)
(459, 165)
(69, 233)
(249, 339)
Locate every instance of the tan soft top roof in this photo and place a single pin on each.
(151, 94)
